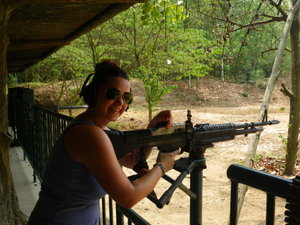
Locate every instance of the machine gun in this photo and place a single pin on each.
(191, 139)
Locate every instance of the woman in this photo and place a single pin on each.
(83, 166)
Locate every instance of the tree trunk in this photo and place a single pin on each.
(9, 206)
(222, 70)
(149, 113)
(294, 119)
(266, 100)
(135, 44)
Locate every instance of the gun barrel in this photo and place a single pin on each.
(211, 127)
(256, 124)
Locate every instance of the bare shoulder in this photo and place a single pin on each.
(83, 139)
(83, 132)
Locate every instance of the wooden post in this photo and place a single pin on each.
(9, 206)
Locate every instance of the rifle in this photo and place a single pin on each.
(185, 136)
(191, 139)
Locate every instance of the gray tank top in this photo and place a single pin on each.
(69, 192)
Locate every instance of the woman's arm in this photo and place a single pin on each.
(90, 146)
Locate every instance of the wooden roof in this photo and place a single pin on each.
(38, 28)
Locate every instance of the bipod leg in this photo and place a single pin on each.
(196, 186)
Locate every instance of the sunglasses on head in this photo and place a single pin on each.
(114, 93)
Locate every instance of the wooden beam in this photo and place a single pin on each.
(31, 44)
(105, 15)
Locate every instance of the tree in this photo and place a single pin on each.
(155, 89)
(244, 30)
(192, 54)
(9, 207)
(294, 95)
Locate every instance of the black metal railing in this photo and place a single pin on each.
(37, 129)
(274, 186)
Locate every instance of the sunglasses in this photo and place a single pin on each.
(114, 93)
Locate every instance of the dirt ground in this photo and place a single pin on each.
(215, 102)
(216, 185)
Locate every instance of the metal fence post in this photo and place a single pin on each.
(233, 202)
(196, 185)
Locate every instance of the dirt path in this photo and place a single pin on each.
(216, 185)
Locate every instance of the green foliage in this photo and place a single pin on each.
(66, 64)
(31, 85)
(13, 79)
(155, 89)
(257, 157)
(261, 84)
(256, 75)
(248, 51)
(178, 40)
(166, 11)
(73, 97)
(282, 109)
(245, 94)
(283, 139)
(192, 54)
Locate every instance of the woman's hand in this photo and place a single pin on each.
(162, 119)
(167, 159)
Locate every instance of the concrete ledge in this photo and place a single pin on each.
(22, 173)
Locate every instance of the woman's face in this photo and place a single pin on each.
(110, 110)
